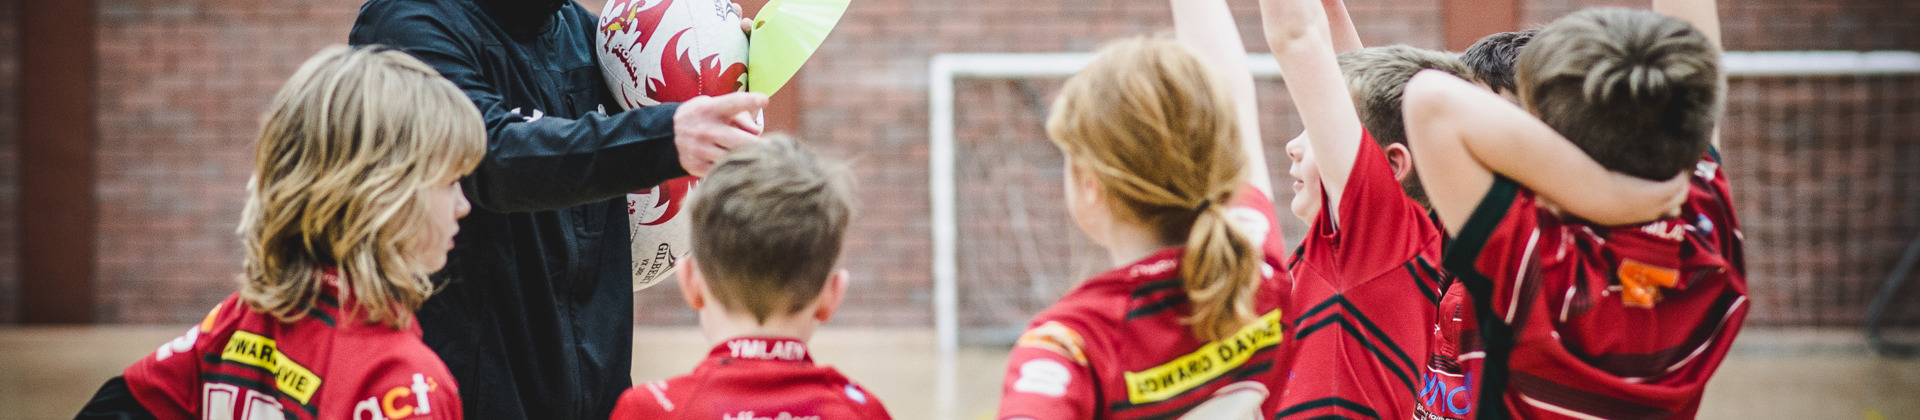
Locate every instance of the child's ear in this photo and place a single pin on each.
(692, 285)
(830, 295)
(1400, 159)
(1086, 189)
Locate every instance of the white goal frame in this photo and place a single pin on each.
(944, 69)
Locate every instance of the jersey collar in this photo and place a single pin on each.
(762, 348)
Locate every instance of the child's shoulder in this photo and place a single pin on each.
(751, 390)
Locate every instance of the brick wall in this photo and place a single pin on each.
(1786, 24)
(9, 161)
(182, 83)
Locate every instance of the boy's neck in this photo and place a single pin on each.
(720, 325)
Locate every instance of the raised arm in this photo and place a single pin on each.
(1462, 135)
(1297, 32)
(1345, 37)
(1705, 16)
(1207, 27)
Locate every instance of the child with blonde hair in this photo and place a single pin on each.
(1164, 169)
(353, 201)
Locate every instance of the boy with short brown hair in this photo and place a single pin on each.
(767, 226)
(1582, 319)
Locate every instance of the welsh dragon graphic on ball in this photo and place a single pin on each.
(659, 51)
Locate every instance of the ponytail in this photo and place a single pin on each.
(1220, 273)
(1149, 123)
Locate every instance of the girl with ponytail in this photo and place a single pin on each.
(1164, 169)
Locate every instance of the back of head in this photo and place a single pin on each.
(767, 225)
(1377, 78)
(347, 150)
(1490, 60)
(1148, 122)
(1637, 90)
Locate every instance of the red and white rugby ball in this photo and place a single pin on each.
(659, 51)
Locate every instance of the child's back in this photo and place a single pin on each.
(753, 378)
(767, 226)
(1162, 171)
(1579, 319)
(246, 362)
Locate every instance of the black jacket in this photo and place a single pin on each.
(536, 316)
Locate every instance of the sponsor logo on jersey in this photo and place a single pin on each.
(1640, 282)
(288, 376)
(1435, 395)
(1044, 377)
(399, 402)
(1055, 337)
(1196, 368)
(749, 415)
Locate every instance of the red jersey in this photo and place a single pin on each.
(752, 378)
(1115, 347)
(1603, 322)
(1445, 390)
(243, 364)
(1362, 305)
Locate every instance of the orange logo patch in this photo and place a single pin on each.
(1640, 282)
(1055, 337)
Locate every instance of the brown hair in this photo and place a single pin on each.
(1149, 123)
(1377, 78)
(1490, 60)
(347, 151)
(767, 226)
(1637, 90)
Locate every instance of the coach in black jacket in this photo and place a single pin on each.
(536, 318)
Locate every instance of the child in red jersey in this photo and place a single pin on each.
(353, 202)
(1366, 281)
(1582, 319)
(767, 227)
(1163, 169)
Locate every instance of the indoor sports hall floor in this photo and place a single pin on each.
(48, 372)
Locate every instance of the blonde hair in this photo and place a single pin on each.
(348, 148)
(1639, 91)
(1151, 125)
(768, 223)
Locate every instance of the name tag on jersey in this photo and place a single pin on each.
(257, 351)
(1189, 371)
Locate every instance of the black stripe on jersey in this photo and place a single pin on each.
(1368, 340)
(1440, 281)
(1642, 365)
(1297, 252)
(1333, 402)
(1155, 286)
(1495, 335)
(329, 300)
(1418, 283)
(1157, 306)
(1547, 391)
(257, 385)
(320, 315)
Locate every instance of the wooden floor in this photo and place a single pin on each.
(47, 373)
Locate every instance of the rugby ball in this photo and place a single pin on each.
(659, 51)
